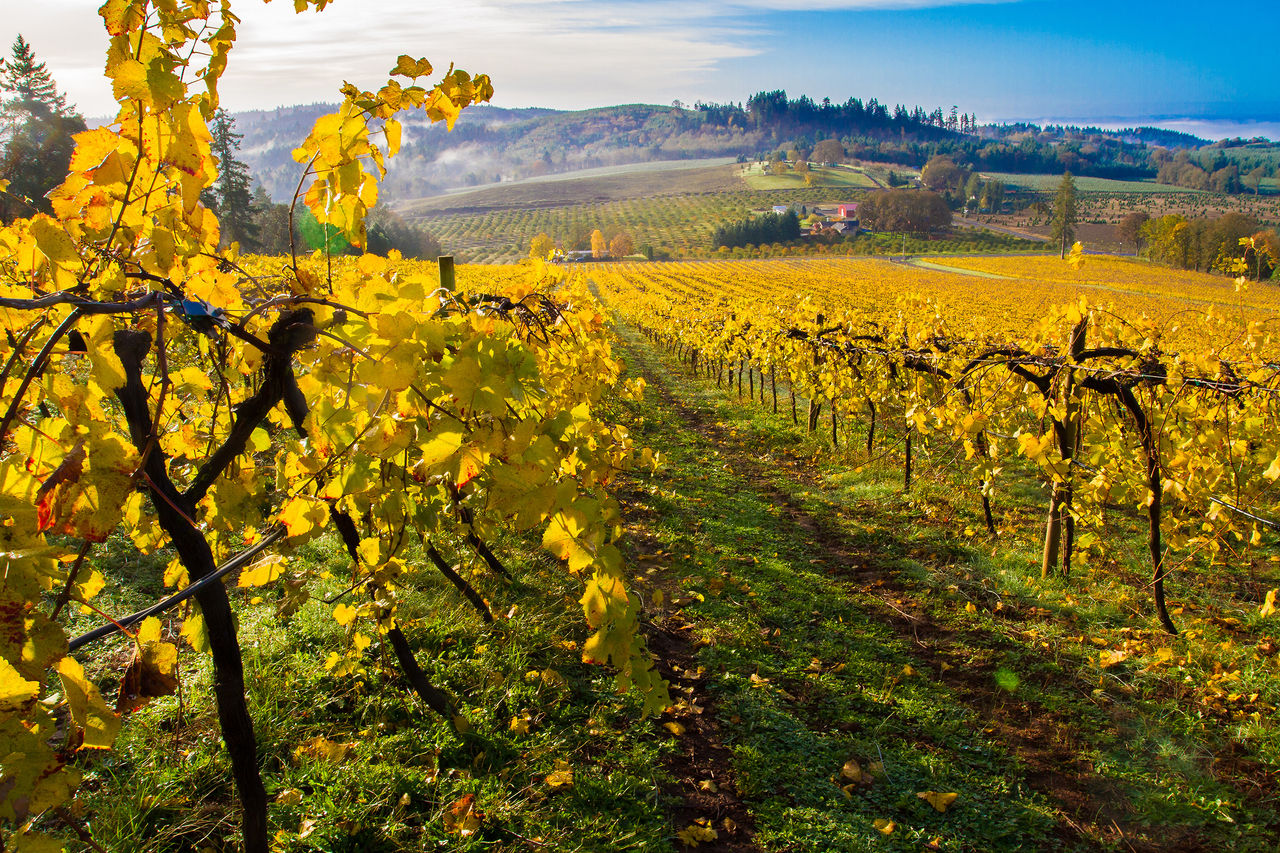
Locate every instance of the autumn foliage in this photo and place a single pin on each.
(226, 410)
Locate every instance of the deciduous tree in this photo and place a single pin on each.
(1065, 216)
(621, 245)
(541, 246)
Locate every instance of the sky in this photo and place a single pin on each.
(1179, 63)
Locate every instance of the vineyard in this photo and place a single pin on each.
(358, 553)
(677, 225)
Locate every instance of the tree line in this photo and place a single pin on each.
(758, 230)
(1233, 244)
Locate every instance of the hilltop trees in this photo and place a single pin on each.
(36, 127)
(1217, 245)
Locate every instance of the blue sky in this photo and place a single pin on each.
(1001, 59)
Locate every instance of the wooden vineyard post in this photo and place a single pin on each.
(773, 383)
(871, 427)
(448, 279)
(906, 468)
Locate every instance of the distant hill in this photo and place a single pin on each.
(492, 145)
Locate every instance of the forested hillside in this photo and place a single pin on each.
(492, 145)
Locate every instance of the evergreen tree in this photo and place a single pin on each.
(28, 83)
(1064, 213)
(231, 196)
(35, 133)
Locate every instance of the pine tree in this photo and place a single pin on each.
(231, 197)
(35, 133)
(29, 84)
(1064, 213)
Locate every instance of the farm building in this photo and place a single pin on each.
(780, 208)
(848, 210)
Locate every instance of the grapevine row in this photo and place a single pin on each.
(1110, 414)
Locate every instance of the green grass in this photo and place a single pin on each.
(755, 178)
(1042, 183)
(166, 786)
(1008, 702)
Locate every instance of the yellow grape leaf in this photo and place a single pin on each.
(938, 800)
(323, 749)
(1112, 657)
(262, 572)
(520, 723)
(695, 833)
(851, 771)
(289, 797)
(569, 538)
(407, 66)
(175, 574)
(344, 614)
(562, 776)
(886, 827)
(128, 80)
(302, 515)
(391, 129)
(675, 728)
(35, 842)
(193, 631)
(444, 444)
(15, 691)
(52, 240)
(91, 714)
(148, 631)
(1269, 605)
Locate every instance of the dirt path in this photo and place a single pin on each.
(1047, 743)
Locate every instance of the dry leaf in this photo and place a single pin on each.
(562, 776)
(938, 800)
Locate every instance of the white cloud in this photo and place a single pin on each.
(564, 53)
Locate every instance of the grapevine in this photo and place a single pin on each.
(227, 410)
